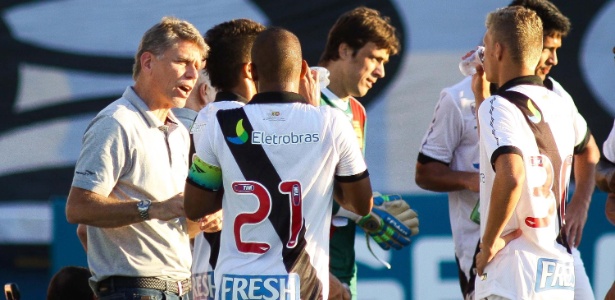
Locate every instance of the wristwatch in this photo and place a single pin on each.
(143, 207)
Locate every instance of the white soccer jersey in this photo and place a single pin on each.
(608, 148)
(452, 138)
(582, 286)
(580, 125)
(209, 113)
(533, 266)
(278, 159)
(202, 270)
(202, 279)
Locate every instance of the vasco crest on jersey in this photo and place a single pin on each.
(274, 115)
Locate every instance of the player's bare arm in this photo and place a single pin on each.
(584, 175)
(354, 196)
(507, 186)
(438, 177)
(480, 86)
(199, 202)
(89, 208)
(605, 176)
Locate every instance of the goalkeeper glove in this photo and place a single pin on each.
(391, 222)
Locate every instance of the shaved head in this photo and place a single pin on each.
(277, 57)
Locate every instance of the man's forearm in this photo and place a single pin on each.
(585, 173)
(437, 177)
(505, 194)
(605, 175)
(89, 208)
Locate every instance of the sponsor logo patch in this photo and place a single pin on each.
(536, 117)
(203, 287)
(262, 138)
(266, 287)
(242, 135)
(554, 274)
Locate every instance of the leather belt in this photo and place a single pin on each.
(177, 287)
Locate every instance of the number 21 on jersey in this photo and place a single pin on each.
(290, 188)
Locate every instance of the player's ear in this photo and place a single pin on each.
(146, 61)
(304, 68)
(344, 51)
(246, 71)
(498, 51)
(252, 71)
(202, 89)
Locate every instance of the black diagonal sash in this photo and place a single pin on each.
(546, 146)
(255, 165)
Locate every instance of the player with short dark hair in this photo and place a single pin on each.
(275, 158)
(228, 64)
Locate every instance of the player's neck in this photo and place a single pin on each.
(510, 72)
(336, 85)
(338, 91)
(264, 87)
(244, 90)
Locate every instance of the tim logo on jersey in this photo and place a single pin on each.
(269, 287)
(554, 274)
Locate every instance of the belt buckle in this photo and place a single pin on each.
(180, 290)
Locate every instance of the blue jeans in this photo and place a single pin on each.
(139, 294)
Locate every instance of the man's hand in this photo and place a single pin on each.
(308, 86)
(576, 216)
(168, 209)
(480, 86)
(486, 254)
(211, 223)
(391, 222)
(337, 290)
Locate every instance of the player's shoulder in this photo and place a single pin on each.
(120, 111)
(554, 85)
(458, 94)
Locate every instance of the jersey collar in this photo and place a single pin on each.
(229, 96)
(276, 97)
(523, 80)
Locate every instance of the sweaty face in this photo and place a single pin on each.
(364, 69)
(548, 58)
(175, 73)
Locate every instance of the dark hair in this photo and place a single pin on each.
(277, 56)
(230, 45)
(357, 28)
(553, 20)
(70, 282)
(162, 36)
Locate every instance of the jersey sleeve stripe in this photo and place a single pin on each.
(504, 150)
(423, 159)
(583, 145)
(352, 178)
